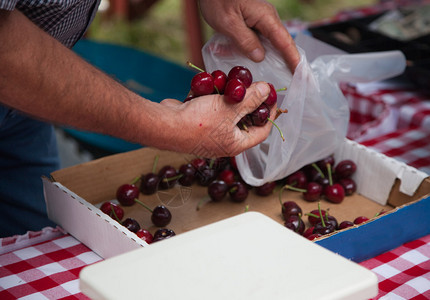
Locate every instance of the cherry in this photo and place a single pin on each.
(163, 233)
(308, 231)
(131, 224)
(348, 185)
(189, 97)
(295, 223)
(227, 176)
(290, 208)
(188, 173)
(273, 96)
(205, 176)
(313, 192)
(168, 177)
(315, 216)
(322, 164)
(234, 91)
(360, 220)
(265, 189)
(219, 163)
(161, 216)
(149, 183)
(220, 80)
(334, 193)
(199, 163)
(313, 236)
(332, 220)
(126, 194)
(345, 224)
(145, 235)
(345, 169)
(260, 115)
(297, 179)
(217, 190)
(238, 192)
(241, 73)
(113, 210)
(323, 228)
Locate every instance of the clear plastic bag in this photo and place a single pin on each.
(318, 113)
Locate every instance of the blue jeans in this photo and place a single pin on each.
(28, 150)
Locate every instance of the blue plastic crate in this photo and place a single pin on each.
(148, 75)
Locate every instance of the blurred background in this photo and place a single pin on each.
(159, 26)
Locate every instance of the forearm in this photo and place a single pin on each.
(42, 78)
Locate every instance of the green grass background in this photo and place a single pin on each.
(162, 32)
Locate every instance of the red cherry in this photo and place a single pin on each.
(202, 84)
(297, 179)
(308, 231)
(334, 193)
(227, 176)
(113, 210)
(260, 116)
(126, 194)
(273, 96)
(313, 192)
(145, 235)
(314, 216)
(290, 208)
(360, 220)
(189, 97)
(265, 189)
(345, 224)
(234, 91)
(241, 73)
(349, 186)
(220, 80)
(313, 236)
(345, 169)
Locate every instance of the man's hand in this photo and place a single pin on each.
(209, 123)
(242, 19)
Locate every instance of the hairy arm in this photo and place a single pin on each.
(44, 79)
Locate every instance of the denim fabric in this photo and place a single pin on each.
(28, 150)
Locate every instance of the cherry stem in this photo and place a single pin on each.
(321, 216)
(280, 195)
(312, 215)
(114, 214)
(293, 188)
(143, 204)
(200, 203)
(135, 180)
(277, 127)
(318, 169)
(247, 208)
(281, 89)
(172, 178)
(330, 179)
(154, 165)
(211, 163)
(190, 64)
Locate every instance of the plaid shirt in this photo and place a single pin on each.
(65, 20)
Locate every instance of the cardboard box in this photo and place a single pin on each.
(72, 195)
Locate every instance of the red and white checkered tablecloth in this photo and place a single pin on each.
(47, 270)
(50, 270)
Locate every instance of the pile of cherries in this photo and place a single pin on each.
(316, 181)
(324, 179)
(233, 86)
(321, 222)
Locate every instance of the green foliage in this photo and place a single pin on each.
(162, 31)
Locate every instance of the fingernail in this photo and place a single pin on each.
(263, 88)
(256, 54)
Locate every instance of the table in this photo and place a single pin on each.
(390, 118)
